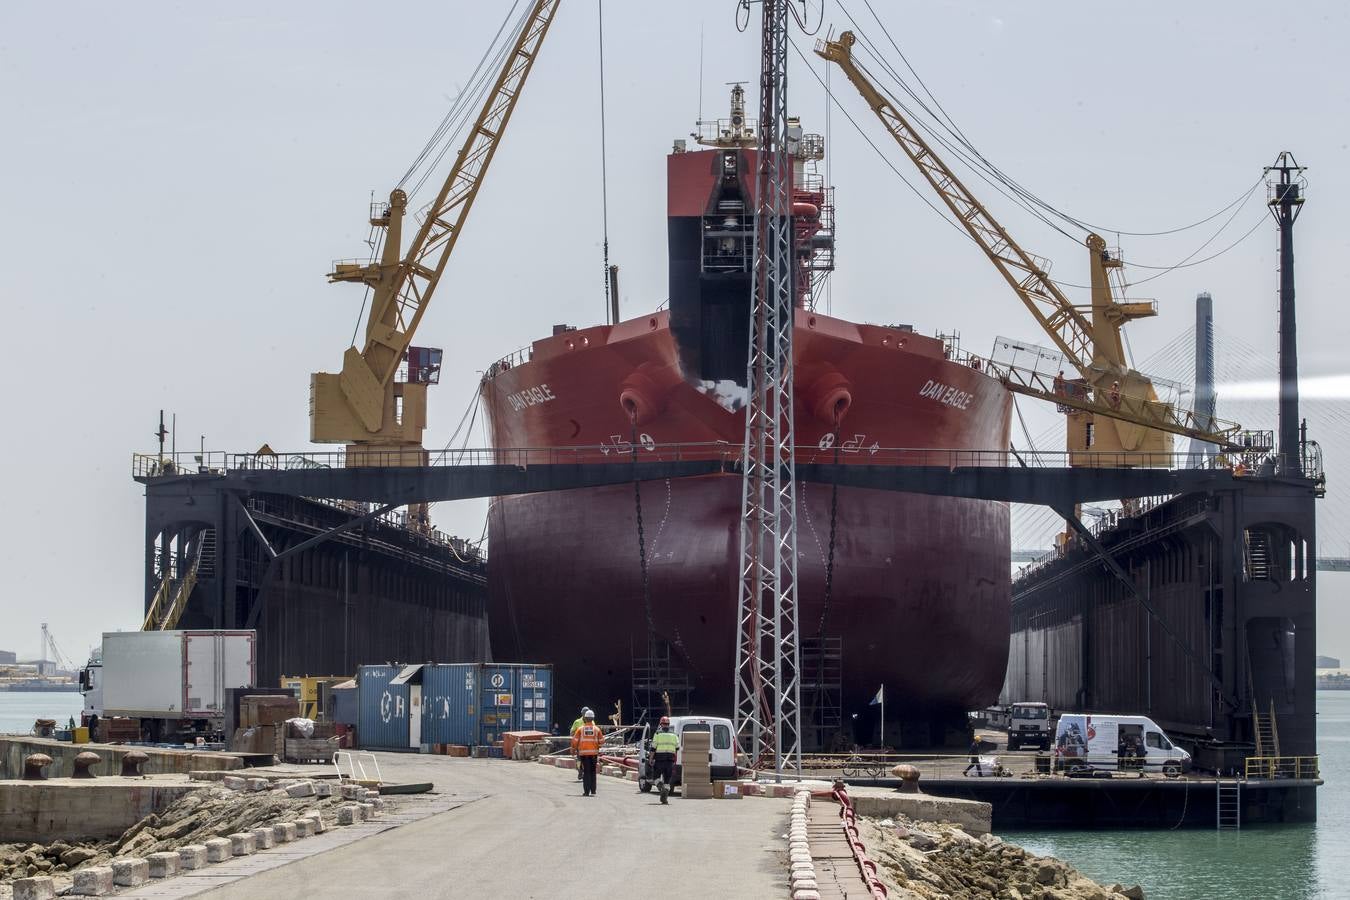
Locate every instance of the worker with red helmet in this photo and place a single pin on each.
(665, 744)
(586, 742)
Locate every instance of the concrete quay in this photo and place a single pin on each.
(160, 761)
(515, 829)
(73, 809)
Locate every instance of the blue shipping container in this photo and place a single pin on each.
(515, 697)
(382, 709)
(450, 704)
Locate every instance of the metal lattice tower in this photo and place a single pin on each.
(767, 692)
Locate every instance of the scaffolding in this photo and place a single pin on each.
(822, 691)
(660, 685)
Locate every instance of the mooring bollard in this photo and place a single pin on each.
(909, 778)
(132, 762)
(33, 764)
(84, 764)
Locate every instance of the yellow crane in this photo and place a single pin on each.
(367, 406)
(1105, 391)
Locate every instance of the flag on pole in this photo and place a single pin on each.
(880, 697)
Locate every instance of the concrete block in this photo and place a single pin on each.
(322, 788)
(631, 775)
(193, 856)
(163, 865)
(378, 803)
(371, 795)
(301, 789)
(259, 784)
(806, 895)
(264, 837)
(234, 782)
(317, 819)
(304, 828)
(217, 849)
(804, 884)
(40, 888)
(283, 832)
(130, 871)
(611, 771)
(350, 791)
(349, 814)
(242, 843)
(566, 762)
(94, 881)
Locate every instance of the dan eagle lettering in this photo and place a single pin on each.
(532, 396)
(945, 393)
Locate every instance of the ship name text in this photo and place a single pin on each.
(532, 396)
(945, 393)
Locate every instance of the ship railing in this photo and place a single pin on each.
(1302, 767)
(509, 361)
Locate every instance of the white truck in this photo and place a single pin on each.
(173, 682)
(1029, 723)
(1084, 743)
(723, 750)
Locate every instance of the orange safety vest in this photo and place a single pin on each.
(586, 740)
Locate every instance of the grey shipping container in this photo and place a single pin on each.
(382, 709)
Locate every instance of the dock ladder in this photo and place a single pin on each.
(1228, 804)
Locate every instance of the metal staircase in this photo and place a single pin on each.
(172, 595)
(1265, 732)
(1228, 804)
(1258, 555)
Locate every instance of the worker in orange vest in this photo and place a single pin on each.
(586, 742)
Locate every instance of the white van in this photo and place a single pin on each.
(1109, 743)
(723, 748)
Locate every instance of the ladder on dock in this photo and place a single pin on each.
(1228, 804)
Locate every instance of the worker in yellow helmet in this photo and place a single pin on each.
(665, 744)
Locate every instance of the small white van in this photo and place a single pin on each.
(1107, 742)
(723, 751)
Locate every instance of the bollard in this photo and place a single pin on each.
(909, 778)
(84, 764)
(132, 762)
(33, 764)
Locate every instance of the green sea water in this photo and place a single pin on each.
(1291, 862)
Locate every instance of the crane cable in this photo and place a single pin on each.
(604, 165)
(952, 128)
(447, 126)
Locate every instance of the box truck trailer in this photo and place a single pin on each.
(173, 683)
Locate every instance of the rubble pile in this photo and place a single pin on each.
(928, 861)
(206, 813)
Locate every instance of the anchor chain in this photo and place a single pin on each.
(642, 551)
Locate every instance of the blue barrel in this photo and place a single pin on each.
(450, 704)
(382, 709)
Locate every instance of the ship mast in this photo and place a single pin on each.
(767, 690)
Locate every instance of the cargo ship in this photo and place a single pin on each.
(919, 600)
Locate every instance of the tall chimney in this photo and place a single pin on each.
(1205, 399)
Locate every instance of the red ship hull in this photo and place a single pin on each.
(921, 589)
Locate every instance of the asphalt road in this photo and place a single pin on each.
(523, 830)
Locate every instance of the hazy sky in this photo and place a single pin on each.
(177, 177)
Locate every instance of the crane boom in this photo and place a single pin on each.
(364, 406)
(1115, 391)
(1025, 273)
